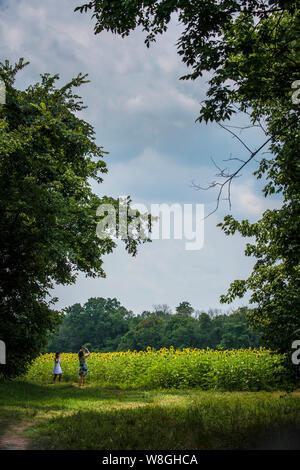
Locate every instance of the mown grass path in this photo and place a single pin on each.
(12, 436)
(64, 416)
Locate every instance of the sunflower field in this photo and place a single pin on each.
(206, 369)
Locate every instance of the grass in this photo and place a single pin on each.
(64, 416)
(208, 369)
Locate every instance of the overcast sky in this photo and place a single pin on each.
(144, 116)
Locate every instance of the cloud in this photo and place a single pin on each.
(250, 202)
(135, 97)
(152, 176)
(164, 272)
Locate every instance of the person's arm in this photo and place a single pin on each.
(87, 352)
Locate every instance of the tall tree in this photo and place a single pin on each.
(48, 156)
(251, 48)
(185, 308)
(100, 322)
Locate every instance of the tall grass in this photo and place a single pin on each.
(66, 416)
(240, 370)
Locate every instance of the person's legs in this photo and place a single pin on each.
(79, 379)
(84, 380)
(54, 377)
(59, 377)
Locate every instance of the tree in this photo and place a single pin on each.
(205, 326)
(236, 333)
(251, 49)
(105, 325)
(148, 332)
(48, 211)
(184, 308)
(100, 322)
(182, 330)
(162, 310)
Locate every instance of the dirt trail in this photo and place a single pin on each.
(12, 438)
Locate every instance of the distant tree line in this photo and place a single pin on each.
(105, 325)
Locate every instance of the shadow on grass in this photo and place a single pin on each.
(70, 418)
(60, 396)
(140, 428)
(159, 427)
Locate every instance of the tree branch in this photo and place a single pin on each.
(230, 176)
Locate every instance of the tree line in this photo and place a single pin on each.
(104, 325)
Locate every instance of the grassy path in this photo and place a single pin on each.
(12, 437)
(64, 416)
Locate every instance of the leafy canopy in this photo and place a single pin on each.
(104, 325)
(48, 157)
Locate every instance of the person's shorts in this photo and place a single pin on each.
(82, 372)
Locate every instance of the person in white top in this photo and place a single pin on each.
(57, 368)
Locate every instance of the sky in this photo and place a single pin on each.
(145, 117)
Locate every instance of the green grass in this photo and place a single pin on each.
(234, 370)
(64, 416)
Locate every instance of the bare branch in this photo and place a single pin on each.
(229, 177)
(236, 136)
(230, 159)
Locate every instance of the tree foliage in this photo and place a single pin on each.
(104, 325)
(48, 156)
(98, 324)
